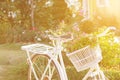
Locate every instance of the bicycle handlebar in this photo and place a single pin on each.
(69, 36)
(106, 31)
(64, 38)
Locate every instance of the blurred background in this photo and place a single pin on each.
(26, 21)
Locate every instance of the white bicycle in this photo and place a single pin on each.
(46, 62)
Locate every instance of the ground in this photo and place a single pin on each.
(13, 65)
(11, 61)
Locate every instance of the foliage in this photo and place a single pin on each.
(88, 26)
(19, 71)
(59, 19)
(110, 49)
(15, 18)
(112, 74)
(83, 36)
(81, 42)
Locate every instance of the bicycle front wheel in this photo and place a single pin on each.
(43, 68)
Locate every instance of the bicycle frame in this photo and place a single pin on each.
(57, 58)
(54, 56)
(58, 49)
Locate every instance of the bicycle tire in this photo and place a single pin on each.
(42, 60)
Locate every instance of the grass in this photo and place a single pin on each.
(13, 46)
(13, 60)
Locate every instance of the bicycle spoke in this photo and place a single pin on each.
(44, 68)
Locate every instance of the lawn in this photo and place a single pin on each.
(13, 65)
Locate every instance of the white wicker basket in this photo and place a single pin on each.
(86, 57)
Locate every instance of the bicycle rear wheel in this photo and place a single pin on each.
(44, 67)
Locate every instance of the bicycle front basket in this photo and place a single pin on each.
(86, 57)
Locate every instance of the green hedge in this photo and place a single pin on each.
(110, 49)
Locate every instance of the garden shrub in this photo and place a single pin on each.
(110, 49)
(110, 52)
(112, 74)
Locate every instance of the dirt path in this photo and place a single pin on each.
(11, 63)
(3, 71)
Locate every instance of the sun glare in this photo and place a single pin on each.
(109, 9)
(114, 8)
